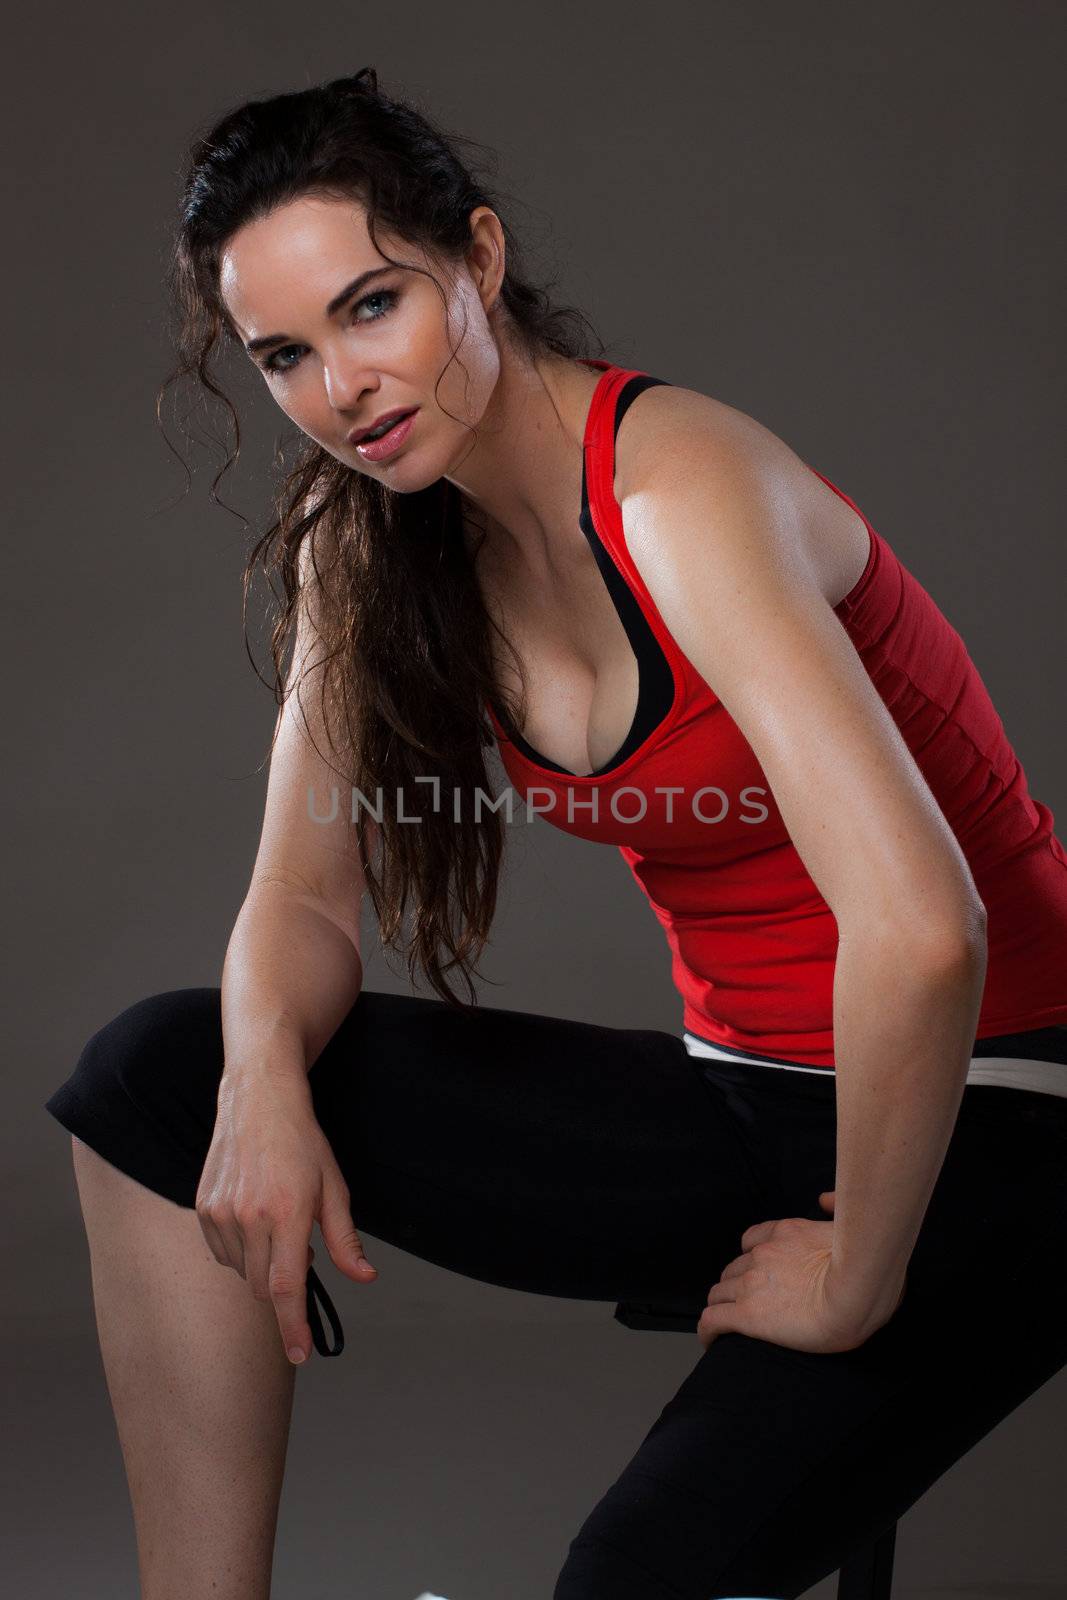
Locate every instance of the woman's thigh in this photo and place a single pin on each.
(532, 1152)
(770, 1465)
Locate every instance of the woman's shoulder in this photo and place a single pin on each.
(697, 431)
(670, 417)
(672, 436)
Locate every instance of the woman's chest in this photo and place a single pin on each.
(587, 648)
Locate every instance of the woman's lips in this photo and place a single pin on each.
(379, 449)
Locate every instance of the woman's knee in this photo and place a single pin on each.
(177, 1031)
(144, 1093)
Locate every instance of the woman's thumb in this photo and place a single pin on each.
(341, 1238)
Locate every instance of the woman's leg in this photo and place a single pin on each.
(201, 1389)
(574, 1159)
(550, 1156)
(770, 1465)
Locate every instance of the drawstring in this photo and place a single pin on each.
(318, 1335)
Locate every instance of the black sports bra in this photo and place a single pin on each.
(655, 692)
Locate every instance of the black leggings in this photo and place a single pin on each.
(599, 1163)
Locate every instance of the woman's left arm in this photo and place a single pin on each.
(722, 552)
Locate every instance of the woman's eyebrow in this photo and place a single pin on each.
(335, 304)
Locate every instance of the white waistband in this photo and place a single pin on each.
(1011, 1072)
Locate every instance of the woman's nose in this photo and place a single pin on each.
(348, 389)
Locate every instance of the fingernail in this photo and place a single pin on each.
(365, 1264)
(296, 1355)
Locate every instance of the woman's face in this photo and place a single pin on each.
(334, 368)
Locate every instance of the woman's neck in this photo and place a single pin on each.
(522, 476)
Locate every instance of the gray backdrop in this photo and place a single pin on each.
(846, 221)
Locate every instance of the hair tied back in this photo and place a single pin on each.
(361, 82)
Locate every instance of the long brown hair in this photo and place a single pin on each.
(405, 635)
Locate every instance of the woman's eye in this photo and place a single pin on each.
(388, 298)
(272, 363)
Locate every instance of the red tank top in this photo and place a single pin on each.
(752, 941)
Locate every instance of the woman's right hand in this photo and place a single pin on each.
(270, 1173)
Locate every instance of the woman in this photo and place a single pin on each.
(848, 1170)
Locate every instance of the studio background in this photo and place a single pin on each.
(841, 220)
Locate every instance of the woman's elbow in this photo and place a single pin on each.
(957, 941)
(945, 941)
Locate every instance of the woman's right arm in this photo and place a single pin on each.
(292, 973)
(293, 967)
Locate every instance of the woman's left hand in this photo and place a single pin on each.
(784, 1288)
